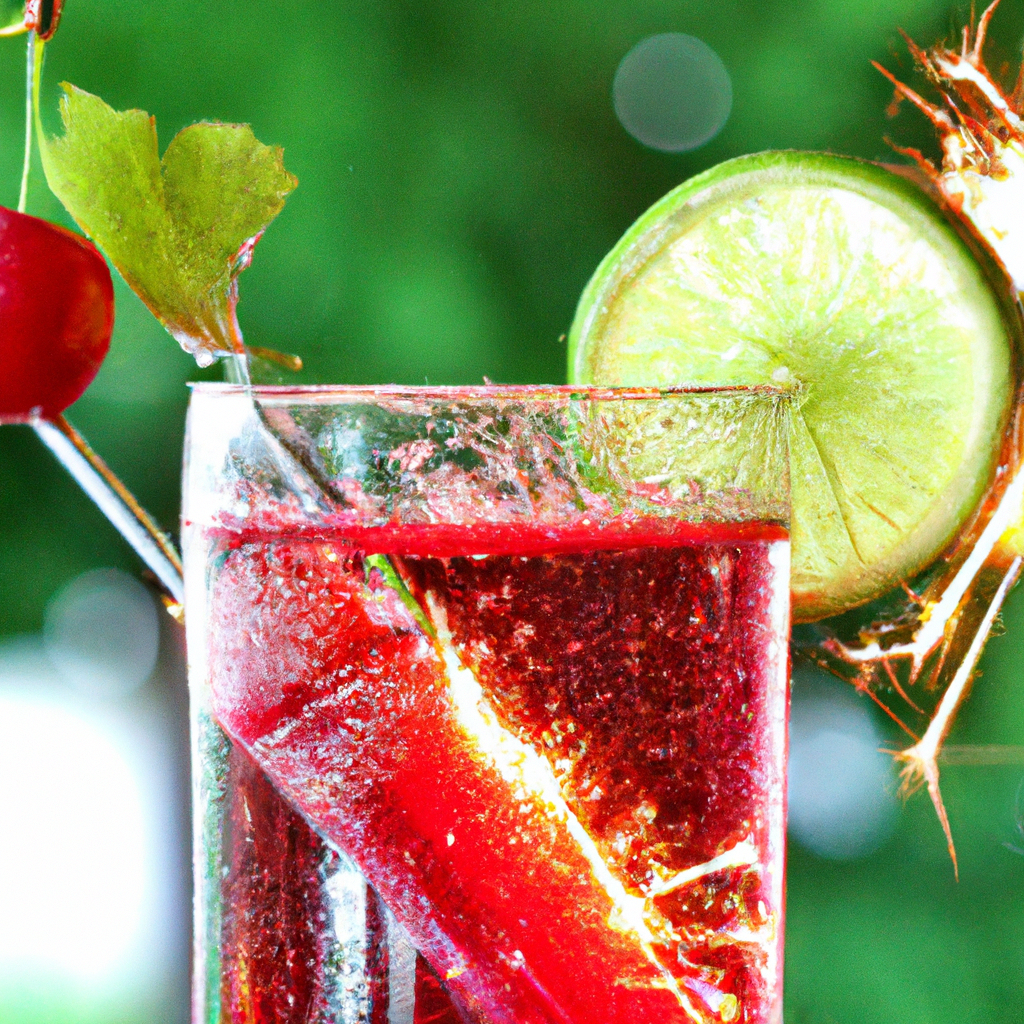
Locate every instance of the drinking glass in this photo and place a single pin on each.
(489, 694)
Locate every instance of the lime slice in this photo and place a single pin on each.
(844, 280)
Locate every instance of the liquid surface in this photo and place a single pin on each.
(567, 786)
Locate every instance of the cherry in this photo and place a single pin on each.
(56, 316)
(43, 16)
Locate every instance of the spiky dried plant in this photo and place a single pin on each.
(936, 642)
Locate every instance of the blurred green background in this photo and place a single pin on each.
(462, 172)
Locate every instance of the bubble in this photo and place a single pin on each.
(103, 633)
(841, 786)
(672, 92)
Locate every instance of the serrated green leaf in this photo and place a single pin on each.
(180, 229)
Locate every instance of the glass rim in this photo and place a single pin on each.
(456, 392)
(698, 452)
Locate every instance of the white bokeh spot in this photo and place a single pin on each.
(672, 92)
(73, 862)
(842, 802)
(103, 633)
(88, 839)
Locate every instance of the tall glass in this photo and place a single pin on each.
(489, 696)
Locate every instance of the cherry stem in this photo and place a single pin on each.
(30, 68)
(115, 501)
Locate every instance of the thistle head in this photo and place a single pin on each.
(981, 132)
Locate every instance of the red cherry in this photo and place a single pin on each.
(56, 316)
(43, 16)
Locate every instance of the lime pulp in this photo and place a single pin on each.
(844, 281)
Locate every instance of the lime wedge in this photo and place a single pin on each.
(845, 281)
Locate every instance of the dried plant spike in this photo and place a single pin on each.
(938, 117)
(921, 760)
(981, 179)
(982, 31)
(982, 172)
(939, 610)
(959, 614)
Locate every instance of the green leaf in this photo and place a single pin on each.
(180, 229)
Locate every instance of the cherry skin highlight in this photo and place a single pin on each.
(56, 316)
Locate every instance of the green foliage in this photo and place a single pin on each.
(12, 12)
(179, 229)
(463, 174)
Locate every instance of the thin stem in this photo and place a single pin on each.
(236, 368)
(35, 85)
(115, 501)
(30, 75)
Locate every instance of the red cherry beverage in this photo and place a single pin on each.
(556, 754)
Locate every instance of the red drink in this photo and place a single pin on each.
(554, 751)
(582, 784)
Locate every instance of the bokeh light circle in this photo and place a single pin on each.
(841, 785)
(103, 633)
(672, 92)
(74, 860)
